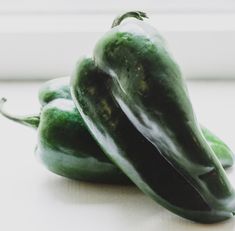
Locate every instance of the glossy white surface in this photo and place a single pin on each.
(32, 198)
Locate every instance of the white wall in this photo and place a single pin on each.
(43, 39)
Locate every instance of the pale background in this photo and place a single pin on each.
(42, 40)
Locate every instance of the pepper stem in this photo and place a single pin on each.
(31, 121)
(134, 14)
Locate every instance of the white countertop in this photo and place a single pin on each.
(32, 198)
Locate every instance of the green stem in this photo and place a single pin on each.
(31, 121)
(134, 14)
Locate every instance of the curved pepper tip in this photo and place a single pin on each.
(2, 101)
(31, 121)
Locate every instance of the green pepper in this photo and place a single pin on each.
(56, 151)
(181, 155)
(148, 87)
(65, 146)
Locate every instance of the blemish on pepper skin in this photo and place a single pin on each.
(143, 86)
(105, 108)
(91, 90)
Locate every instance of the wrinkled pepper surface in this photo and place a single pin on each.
(135, 103)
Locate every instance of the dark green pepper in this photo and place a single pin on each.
(127, 147)
(147, 85)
